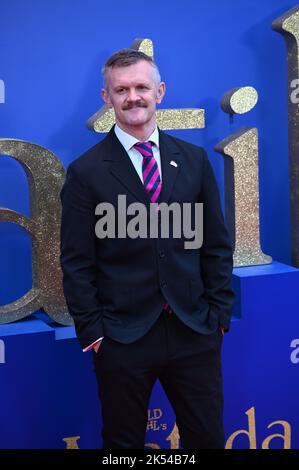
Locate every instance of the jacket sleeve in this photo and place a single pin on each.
(78, 258)
(216, 251)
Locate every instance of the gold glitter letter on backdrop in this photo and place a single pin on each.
(71, 442)
(45, 175)
(174, 438)
(242, 195)
(239, 100)
(167, 119)
(288, 26)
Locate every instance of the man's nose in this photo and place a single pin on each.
(132, 95)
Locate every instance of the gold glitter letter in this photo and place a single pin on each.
(239, 100)
(288, 26)
(174, 438)
(242, 195)
(45, 175)
(71, 442)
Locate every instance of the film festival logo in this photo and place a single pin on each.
(156, 423)
(251, 433)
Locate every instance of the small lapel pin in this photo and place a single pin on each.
(173, 163)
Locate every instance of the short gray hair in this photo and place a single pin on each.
(125, 58)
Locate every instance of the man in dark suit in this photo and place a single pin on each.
(149, 307)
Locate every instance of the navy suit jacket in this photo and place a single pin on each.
(117, 287)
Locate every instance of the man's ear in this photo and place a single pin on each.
(106, 97)
(160, 92)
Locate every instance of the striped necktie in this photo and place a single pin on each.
(150, 171)
(151, 178)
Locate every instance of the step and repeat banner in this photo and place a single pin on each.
(232, 76)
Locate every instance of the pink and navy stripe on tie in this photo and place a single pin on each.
(151, 179)
(150, 170)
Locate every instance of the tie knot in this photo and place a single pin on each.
(145, 148)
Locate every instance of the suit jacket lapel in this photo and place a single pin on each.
(123, 169)
(169, 152)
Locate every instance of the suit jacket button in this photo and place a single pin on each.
(163, 284)
(161, 254)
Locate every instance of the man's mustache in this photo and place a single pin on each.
(136, 104)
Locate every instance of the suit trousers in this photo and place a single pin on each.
(188, 365)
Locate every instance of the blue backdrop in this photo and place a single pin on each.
(51, 54)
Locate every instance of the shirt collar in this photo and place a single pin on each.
(128, 140)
